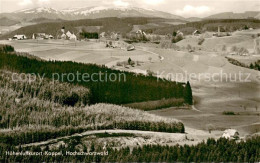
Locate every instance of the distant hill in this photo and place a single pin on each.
(45, 20)
(7, 22)
(231, 15)
(209, 25)
(126, 25)
(87, 13)
(193, 19)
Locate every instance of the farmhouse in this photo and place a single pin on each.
(73, 37)
(196, 33)
(41, 36)
(68, 34)
(130, 47)
(230, 134)
(19, 37)
(179, 33)
(63, 36)
(114, 36)
(140, 32)
(102, 35)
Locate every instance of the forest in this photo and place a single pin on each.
(221, 150)
(39, 111)
(254, 66)
(228, 25)
(136, 88)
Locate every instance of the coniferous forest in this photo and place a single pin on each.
(221, 150)
(127, 88)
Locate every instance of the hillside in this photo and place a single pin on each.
(27, 109)
(125, 88)
(126, 25)
(121, 25)
(231, 15)
(7, 22)
(45, 20)
(26, 120)
(210, 25)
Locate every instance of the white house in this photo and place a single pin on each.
(130, 47)
(63, 36)
(114, 36)
(196, 33)
(179, 33)
(68, 34)
(41, 36)
(73, 37)
(51, 37)
(19, 37)
(230, 134)
(102, 35)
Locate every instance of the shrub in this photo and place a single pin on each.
(228, 113)
(6, 48)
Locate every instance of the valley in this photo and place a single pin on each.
(125, 83)
(212, 98)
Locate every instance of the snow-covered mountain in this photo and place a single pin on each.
(86, 13)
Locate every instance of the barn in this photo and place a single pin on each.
(230, 134)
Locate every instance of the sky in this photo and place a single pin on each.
(185, 8)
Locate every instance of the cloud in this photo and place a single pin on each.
(43, 1)
(25, 2)
(193, 11)
(153, 2)
(120, 3)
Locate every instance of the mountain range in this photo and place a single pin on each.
(86, 13)
(49, 14)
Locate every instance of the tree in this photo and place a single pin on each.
(129, 61)
(251, 65)
(188, 94)
(174, 33)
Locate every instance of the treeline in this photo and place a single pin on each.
(254, 66)
(221, 150)
(229, 25)
(33, 135)
(126, 88)
(89, 35)
(6, 48)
